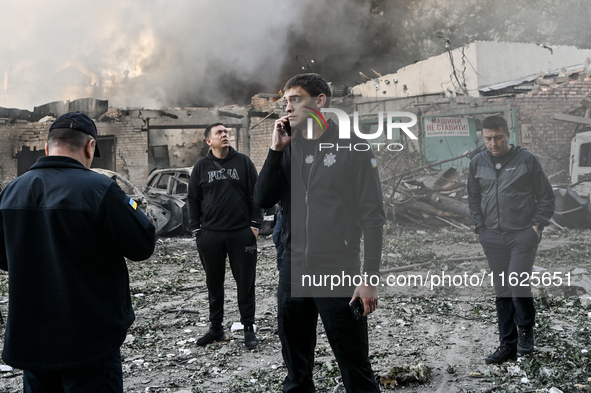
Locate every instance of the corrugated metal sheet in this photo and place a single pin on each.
(14, 114)
(51, 109)
(18, 96)
(528, 79)
(90, 106)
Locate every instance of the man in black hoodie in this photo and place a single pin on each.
(331, 196)
(511, 201)
(225, 222)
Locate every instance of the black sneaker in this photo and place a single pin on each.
(214, 334)
(503, 353)
(525, 342)
(250, 339)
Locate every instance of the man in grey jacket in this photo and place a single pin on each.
(511, 201)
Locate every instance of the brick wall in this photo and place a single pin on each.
(550, 139)
(261, 125)
(260, 139)
(536, 128)
(13, 136)
(131, 158)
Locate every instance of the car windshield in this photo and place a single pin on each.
(182, 184)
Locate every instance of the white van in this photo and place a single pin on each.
(580, 162)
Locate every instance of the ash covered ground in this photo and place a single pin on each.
(435, 339)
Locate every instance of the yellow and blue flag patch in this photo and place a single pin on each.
(133, 204)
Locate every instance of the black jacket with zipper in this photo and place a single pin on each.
(326, 214)
(214, 202)
(65, 232)
(513, 198)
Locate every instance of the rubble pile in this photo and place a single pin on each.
(428, 198)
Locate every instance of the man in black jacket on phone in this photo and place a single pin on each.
(330, 197)
(225, 222)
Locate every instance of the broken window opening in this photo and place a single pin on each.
(163, 181)
(585, 155)
(108, 146)
(159, 158)
(26, 158)
(181, 184)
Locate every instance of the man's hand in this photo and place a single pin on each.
(369, 297)
(255, 231)
(280, 138)
(538, 232)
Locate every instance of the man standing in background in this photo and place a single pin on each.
(225, 222)
(511, 201)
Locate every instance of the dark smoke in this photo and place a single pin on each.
(209, 52)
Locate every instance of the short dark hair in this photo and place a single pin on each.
(71, 138)
(312, 83)
(495, 123)
(208, 129)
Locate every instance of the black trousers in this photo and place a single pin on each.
(104, 376)
(277, 234)
(241, 249)
(510, 255)
(348, 338)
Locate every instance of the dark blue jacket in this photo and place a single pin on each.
(64, 234)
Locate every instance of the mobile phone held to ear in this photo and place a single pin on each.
(356, 307)
(287, 127)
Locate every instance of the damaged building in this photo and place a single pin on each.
(539, 90)
(133, 141)
(543, 93)
(540, 94)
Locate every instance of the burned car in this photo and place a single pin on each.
(128, 187)
(166, 193)
(163, 200)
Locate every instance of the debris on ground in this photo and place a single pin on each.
(406, 374)
(446, 329)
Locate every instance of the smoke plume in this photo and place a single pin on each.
(156, 53)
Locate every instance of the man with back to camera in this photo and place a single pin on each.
(65, 232)
(511, 201)
(329, 198)
(225, 222)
